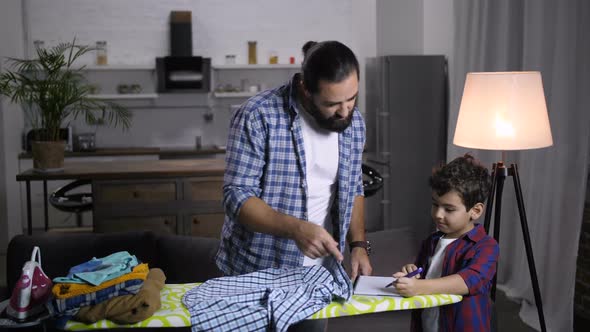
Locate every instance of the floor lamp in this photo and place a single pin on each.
(505, 111)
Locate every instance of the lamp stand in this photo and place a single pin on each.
(499, 174)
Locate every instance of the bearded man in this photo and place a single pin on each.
(293, 191)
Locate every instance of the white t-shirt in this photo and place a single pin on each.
(430, 315)
(321, 168)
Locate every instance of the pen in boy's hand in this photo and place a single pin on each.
(409, 275)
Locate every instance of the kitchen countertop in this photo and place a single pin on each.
(118, 170)
(132, 151)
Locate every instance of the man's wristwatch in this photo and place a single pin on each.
(362, 244)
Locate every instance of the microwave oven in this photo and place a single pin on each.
(183, 74)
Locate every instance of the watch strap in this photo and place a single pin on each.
(362, 244)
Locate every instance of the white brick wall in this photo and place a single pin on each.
(137, 31)
(11, 45)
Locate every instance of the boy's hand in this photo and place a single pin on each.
(407, 269)
(408, 286)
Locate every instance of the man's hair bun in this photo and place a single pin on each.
(307, 46)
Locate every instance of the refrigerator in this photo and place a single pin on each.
(406, 118)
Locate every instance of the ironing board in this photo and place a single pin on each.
(174, 314)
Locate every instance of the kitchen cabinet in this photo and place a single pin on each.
(189, 206)
(60, 219)
(207, 194)
(205, 189)
(134, 192)
(206, 224)
(181, 205)
(157, 224)
(145, 192)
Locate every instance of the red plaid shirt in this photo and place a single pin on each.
(474, 257)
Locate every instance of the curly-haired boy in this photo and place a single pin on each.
(459, 258)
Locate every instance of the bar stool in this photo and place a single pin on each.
(374, 181)
(76, 203)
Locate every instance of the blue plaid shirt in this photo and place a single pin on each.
(267, 300)
(265, 158)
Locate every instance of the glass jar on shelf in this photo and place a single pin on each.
(273, 58)
(39, 44)
(252, 53)
(230, 59)
(101, 53)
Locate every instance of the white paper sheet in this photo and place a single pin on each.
(372, 285)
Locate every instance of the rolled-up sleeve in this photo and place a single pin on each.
(481, 266)
(244, 159)
(360, 190)
(359, 145)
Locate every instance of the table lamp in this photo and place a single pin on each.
(505, 111)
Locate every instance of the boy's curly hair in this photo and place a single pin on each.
(466, 176)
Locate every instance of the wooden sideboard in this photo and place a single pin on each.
(180, 205)
(166, 196)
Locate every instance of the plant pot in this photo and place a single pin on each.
(48, 156)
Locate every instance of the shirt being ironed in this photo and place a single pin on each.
(265, 158)
(267, 300)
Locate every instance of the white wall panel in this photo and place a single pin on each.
(137, 31)
(11, 120)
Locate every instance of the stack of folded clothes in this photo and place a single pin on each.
(116, 287)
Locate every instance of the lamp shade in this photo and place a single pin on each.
(503, 111)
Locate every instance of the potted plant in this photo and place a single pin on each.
(53, 91)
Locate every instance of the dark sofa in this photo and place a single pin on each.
(182, 258)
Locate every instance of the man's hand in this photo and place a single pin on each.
(315, 242)
(360, 264)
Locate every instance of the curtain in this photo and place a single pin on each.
(552, 37)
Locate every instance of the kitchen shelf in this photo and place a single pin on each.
(217, 67)
(119, 67)
(261, 66)
(125, 96)
(233, 94)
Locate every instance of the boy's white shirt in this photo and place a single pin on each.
(430, 315)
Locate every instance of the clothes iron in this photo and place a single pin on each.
(32, 291)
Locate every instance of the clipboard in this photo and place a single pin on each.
(373, 285)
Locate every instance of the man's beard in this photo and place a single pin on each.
(334, 123)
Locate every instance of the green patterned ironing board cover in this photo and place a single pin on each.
(174, 314)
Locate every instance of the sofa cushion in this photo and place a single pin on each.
(187, 259)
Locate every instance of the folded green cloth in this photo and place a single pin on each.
(99, 270)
